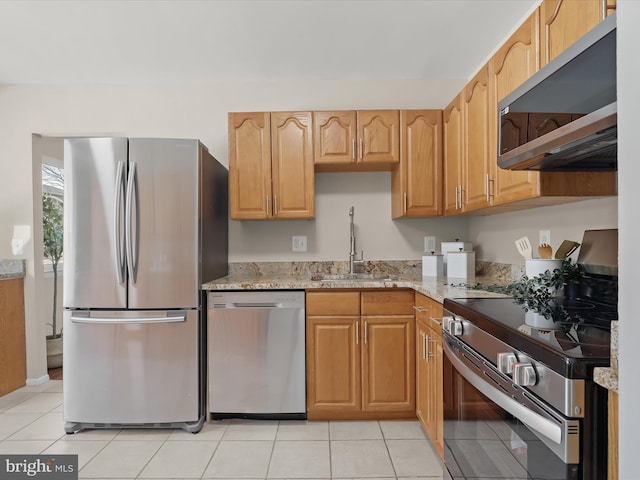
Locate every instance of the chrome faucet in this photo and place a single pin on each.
(353, 261)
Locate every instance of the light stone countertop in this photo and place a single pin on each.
(607, 377)
(12, 269)
(438, 288)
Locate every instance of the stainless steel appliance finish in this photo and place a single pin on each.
(565, 116)
(520, 401)
(129, 367)
(505, 425)
(145, 225)
(256, 354)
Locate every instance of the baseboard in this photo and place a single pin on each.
(39, 380)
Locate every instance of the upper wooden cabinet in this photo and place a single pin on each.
(453, 131)
(467, 161)
(511, 65)
(416, 185)
(356, 140)
(476, 161)
(271, 165)
(562, 22)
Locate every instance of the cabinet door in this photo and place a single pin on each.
(378, 136)
(292, 165)
(388, 363)
(333, 364)
(13, 369)
(249, 165)
(423, 387)
(562, 22)
(416, 185)
(453, 131)
(334, 137)
(435, 357)
(512, 64)
(475, 193)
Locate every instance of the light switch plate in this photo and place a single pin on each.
(544, 237)
(429, 244)
(299, 243)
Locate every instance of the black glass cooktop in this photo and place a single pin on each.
(571, 336)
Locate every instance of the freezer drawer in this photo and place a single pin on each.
(256, 354)
(131, 368)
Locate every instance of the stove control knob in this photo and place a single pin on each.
(455, 328)
(506, 361)
(445, 322)
(524, 374)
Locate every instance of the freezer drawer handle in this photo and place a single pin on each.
(121, 320)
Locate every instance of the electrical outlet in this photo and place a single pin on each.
(299, 243)
(544, 237)
(429, 244)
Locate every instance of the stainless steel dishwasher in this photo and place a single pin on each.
(256, 354)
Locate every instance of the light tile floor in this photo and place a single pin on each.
(31, 423)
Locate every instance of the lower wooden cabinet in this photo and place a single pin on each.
(13, 363)
(360, 354)
(429, 364)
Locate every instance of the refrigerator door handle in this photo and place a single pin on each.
(122, 320)
(131, 265)
(117, 222)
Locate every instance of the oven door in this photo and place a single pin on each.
(494, 429)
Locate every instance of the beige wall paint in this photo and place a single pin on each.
(495, 235)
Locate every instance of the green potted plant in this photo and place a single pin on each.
(52, 227)
(538, 294)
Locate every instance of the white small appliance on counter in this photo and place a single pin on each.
(432, 265)
(461, 264)
(455, 246)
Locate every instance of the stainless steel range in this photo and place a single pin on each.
(519, 398)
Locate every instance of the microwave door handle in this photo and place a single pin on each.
(118, 231)
(131, 266)
(533, 420)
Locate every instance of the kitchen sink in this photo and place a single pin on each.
(351, 277)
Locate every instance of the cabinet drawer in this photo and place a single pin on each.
(387, 302)
(333, 303)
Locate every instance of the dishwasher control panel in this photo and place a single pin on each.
(256, 298)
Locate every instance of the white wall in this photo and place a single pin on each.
(495, 234)
(629, 260)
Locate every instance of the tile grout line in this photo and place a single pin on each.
(214, 451)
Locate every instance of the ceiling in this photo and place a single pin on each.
(75, 41)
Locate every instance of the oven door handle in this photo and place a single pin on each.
(533, 420)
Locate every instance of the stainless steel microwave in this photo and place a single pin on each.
(565, 117)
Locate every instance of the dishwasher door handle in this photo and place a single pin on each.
(247, 305)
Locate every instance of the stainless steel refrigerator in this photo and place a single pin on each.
(145, 224)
